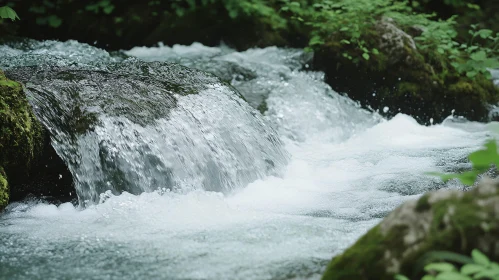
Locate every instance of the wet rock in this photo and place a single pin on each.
(393, 41)
(446, 220)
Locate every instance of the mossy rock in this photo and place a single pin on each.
(420, 83)
(4, 190)
(447, 220)
(21, 135)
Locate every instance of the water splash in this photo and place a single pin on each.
(139, 126)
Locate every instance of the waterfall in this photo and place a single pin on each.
(139, 126)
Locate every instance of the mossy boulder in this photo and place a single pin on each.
(21, 135)
(420, 83)
(27, 159)
(446, 220)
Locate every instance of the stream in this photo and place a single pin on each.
(180, 176)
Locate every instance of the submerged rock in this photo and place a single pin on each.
(447, 220)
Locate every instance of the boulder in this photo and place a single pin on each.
(393, 41)
(446, 220)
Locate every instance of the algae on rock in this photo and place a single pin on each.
(446, 220)
(21, 135)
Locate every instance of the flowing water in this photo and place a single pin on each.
(179, 178)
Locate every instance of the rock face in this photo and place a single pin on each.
(439, 221)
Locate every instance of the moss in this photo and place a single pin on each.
(364, 260)
(21, 135)
(361, 258)
(459, 222)
(263, 107)
(4, 190)
(423, 203)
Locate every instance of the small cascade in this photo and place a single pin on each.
(139, 126)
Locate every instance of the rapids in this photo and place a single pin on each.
(285, 206)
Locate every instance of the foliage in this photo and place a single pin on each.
(477, 57)
(7, 12)
(351, 23)
(234, 8)
(478, 267)
(481, 161)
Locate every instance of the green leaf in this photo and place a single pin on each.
(366, 56)
(400, 277)
(439, 267)
(479, 55)
(486, 274)
(8, 12)
(478, 256)
(482, 159)
(108, 9)
(452, 275)
(54, 21)
(440, 50)
(316, 40)
(375, 51)
(428, 277)
(484, 33)
(471, 74)
(469, 269)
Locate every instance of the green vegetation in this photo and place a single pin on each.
(481, 161)
(477, 267)
(354, 23)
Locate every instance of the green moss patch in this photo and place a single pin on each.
(21, 135)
